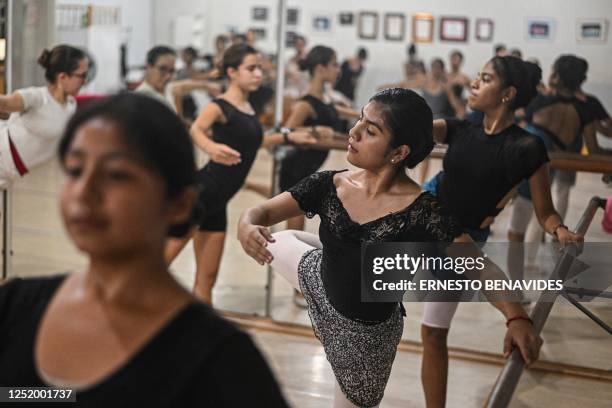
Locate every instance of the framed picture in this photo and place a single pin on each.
(260, 32)
(293, 16)
(454, 29)
(367, 25)
(422, 28)
(395, 27)
(290, 38)
(321, 23)
(540, 29)
(260, 13)
(592, 30)
(345, 18)
(484, 29)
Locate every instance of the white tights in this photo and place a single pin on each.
(287, 252)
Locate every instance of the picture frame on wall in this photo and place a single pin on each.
(260, 33)
(346, 18)
(290, 38)
(422, 28)
(321, 23)
(592, 30)
(259, 14)
(367, 25)
(540, 29)
(293, 16)
(395, 27)
(454, 29)
(484, 29)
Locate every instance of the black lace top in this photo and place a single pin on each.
(422, 221)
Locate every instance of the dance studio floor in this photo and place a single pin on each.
(40, 247)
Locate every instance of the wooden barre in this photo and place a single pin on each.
(593, 163)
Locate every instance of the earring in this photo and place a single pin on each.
(504, 99)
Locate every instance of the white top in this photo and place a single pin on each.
(167, 98)
(36, 130)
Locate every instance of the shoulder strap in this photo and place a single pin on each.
(226, 107)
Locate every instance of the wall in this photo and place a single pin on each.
(137, 20)
(386, 57)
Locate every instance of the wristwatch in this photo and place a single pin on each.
(285, 132)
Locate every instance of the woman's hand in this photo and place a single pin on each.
(565, 236)
(324, 132)
(520, 334)
(254, 240)
(302, 138)
(223, 154)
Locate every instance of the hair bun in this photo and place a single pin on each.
(45, 58)
(303, 64)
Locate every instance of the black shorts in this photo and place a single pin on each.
(215, 221)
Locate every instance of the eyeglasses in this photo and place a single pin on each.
(165, 70)
(81, 75)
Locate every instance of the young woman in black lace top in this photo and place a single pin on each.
(377, 203)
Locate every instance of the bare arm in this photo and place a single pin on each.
(439, 131)
(201, 131)
(346, 112)
(12, 103)
(590, 139)
(253, 233)
(182, 87)
(604, 127)
(520, 331)
(300, 112)
(545, 211)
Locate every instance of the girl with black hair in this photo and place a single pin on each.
(38, 114)
(312, 109)
(124, 332)
(482, 168)
(376, 203)
(560, 119)
(230, 133)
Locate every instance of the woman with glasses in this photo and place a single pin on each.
(158, 81)
(38, 114)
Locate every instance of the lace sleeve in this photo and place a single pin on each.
(311, 190)
(438, 224)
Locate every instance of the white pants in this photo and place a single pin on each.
(287, 252)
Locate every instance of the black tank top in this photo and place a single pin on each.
(241, 132)
(325, 114)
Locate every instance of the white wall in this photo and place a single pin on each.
(136, 18)
(386, 57)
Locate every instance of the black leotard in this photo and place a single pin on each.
(218, 182)
(300, 163)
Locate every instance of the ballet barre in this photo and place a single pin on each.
(506, 383)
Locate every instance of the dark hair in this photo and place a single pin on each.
(411, 50)
(235, 54)
(62, 58)
(457, 53)
(499, 47)
(522, 75)
(155, 134)
(191, 51)
(299, 37)
(438, 61)
(318, 55)
(515, 52)
(410, 120)
(571, 70)
(362, 54)
(156, 52)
